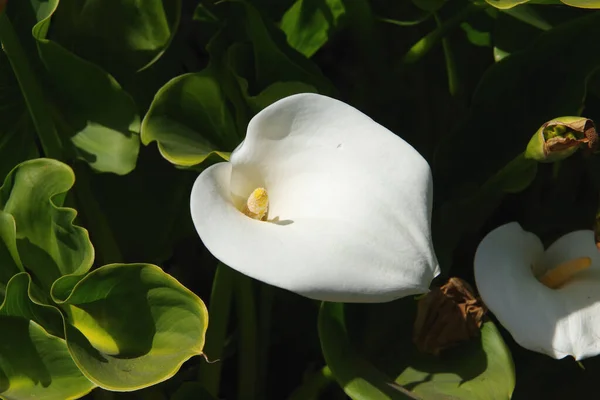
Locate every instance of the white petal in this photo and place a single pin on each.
(557, 322)
(352, 201)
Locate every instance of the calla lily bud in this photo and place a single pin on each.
(560, 138)
(321, 200)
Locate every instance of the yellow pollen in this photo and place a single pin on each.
(558, 276)
(257, 205)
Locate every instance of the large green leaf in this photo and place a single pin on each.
(89, 107)
(190, 120)
(102, 120)
(33, 362)
(309, 23)
(130, 326)
(480, 369)
(127, 326)
(49, 244)
(138, 33)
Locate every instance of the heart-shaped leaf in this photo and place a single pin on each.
(35, 363)
(49, 244)
(309, 23)
(190, 120)
(130, 326)
(479, 369)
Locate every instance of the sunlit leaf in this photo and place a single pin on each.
(309, 23)
(130, 325)
(49, 244)
(35, 363)
(190, 120)
(274, 60)
(478, 38)
(479, 369)
(102, 121)
(505, 4)
(582, 3)
(90, 109)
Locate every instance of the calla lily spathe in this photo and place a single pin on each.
(349, 205)
(558, 322)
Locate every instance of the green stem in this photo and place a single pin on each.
(264, 335)
(425, 44)
(219, 310)
(247, 349)
(454, 85)
(314, 385)
(396, 22)
(30, 89)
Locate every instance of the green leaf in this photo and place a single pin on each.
(102, 120)
(130, 325)
(505, 4)
(274, 60)
(189, 120)
(89, 107)
(480, 369)
(49, 244)
(582, 3)
(308, 24)
(35, 363)
(139, 32)
(359, 379)
(9, 254)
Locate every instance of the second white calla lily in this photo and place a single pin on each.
(321, 200)
(548, 300)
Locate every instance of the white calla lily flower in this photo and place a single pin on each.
(548, 300)
(321, 200)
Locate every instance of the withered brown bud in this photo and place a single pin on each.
(447, 316)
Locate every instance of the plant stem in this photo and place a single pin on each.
(454, 86)
(425, 44)
(247, 349)
(219, 310)
(314, 385)
(31, 90)
(264, 336)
